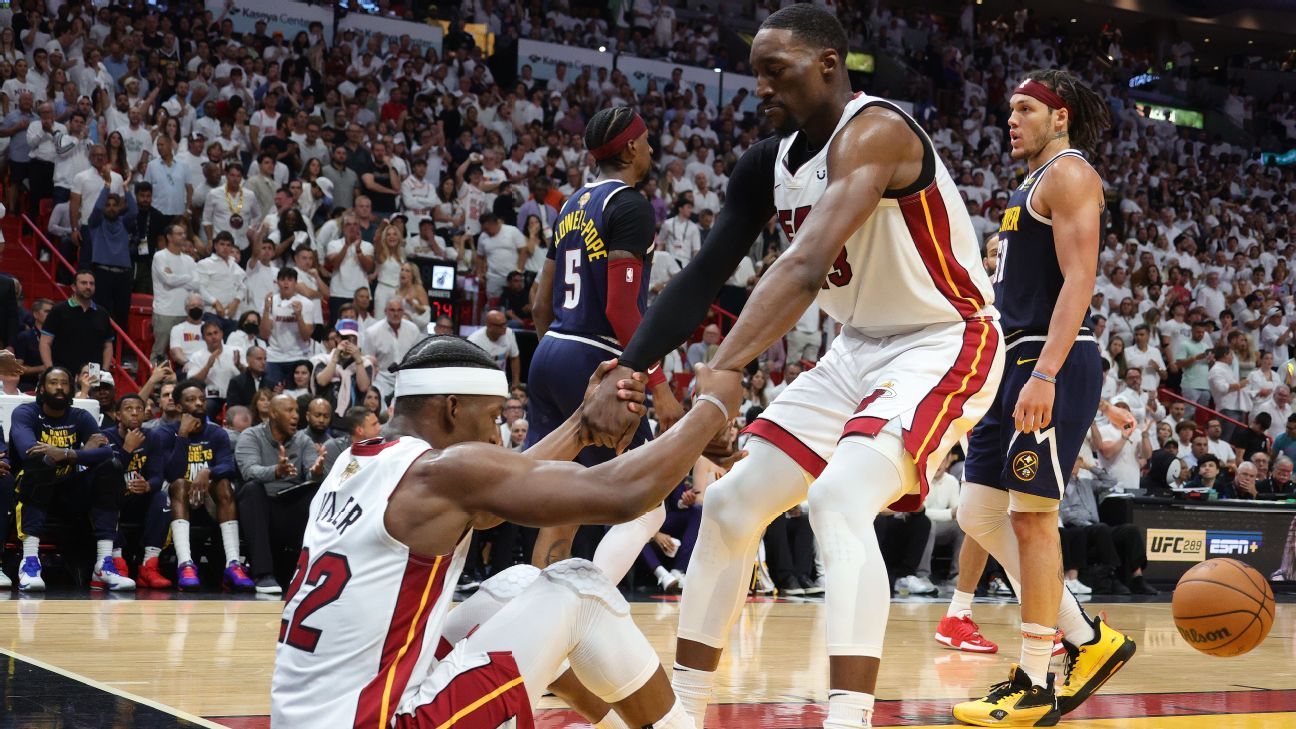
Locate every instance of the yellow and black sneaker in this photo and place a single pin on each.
(1015, 702)
(1090, 665)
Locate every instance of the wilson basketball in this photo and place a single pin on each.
(1223, 607)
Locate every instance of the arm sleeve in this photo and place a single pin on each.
(625, 277)
(684, 302)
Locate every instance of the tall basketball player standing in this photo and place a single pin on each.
(1021, 454)
(881, 236)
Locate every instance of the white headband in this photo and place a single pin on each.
(451, 381)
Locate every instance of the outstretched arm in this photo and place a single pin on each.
(863, 161)
(520, 489)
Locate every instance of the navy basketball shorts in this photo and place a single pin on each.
(1039, 463)
(556, 383)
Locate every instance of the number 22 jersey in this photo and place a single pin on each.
(915, 262)
(363, 614)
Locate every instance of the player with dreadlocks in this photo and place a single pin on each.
(1021, 453)
(603, 246)
(390, 527)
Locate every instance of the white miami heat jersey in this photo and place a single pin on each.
(363, 614)
(915, 262)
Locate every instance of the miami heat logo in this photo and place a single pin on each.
(1025, 465)
(351, 469)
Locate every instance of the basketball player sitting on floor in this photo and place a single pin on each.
(389, 533)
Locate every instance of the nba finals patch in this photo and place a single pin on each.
(1025, 465)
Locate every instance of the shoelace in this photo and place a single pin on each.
(1001, 691)
(1068, 663)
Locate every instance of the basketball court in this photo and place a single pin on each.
(161, 659)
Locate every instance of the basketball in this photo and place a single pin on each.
(1223, 607)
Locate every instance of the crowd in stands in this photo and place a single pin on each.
(276, 196)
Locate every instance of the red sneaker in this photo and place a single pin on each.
(149, 576)
(122, 568)
(963, 634)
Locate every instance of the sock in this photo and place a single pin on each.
(103, 548)
(180, 535)
(612, 721)
(960, 605)
(693, 688)
(661, 573)
(116, 553)
(1075, 625)
(152, 553)
(31, 547)
(849, 710)
(676, 718)
(1037, 649)
(230, 538)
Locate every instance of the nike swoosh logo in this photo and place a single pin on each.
(1021, 361)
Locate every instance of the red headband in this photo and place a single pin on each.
(613, 146)
(1037, 90)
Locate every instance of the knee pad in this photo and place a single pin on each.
(982, 509)
(865, 475)
(510, 583)
(588, 581)
(1030, 503)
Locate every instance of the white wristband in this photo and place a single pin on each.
(715, 401)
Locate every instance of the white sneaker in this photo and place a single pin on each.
(4, 580)
(999, 587)
(105, 577)
(920, 585)
(1078, 587)
(29, 575)
(904, 586)
(667, 581)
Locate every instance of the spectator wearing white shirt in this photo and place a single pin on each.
(1119, 449)
(703, 197)
(1263, 380)
(175, 276)
(387, 341)
(221, 281)
(1146, 358)
(231, 207)
(1217, 445)
(1279, 409)
(136, 138)
(806, 338)
(259, 277)
(215, 364)
(71, 155)
(40, 141)
(1209, 296)
(418, 196)
(501, 249)
(86, 186)
(351, 259)
(172, 187)
(500, 343)
(681, 236)
(186, 337)
(1226, 388)
(287, 322)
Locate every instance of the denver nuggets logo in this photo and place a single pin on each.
(351, 469)
(1025, 465)
(583, 199)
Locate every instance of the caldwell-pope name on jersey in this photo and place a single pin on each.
(577, 220)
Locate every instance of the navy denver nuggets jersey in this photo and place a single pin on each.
(1028, 279)
(581, 262)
